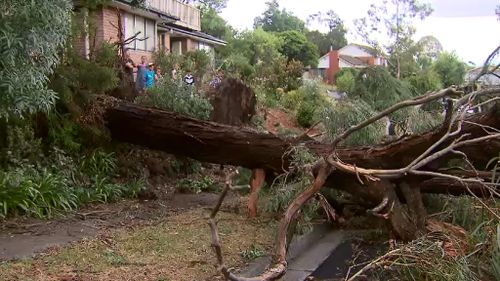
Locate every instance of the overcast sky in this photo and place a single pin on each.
(468, 27)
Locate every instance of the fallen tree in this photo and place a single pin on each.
(386, 178)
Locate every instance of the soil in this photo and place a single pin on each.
(25, 237)
(278, 121)
(276, 118)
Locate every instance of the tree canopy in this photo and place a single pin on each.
(205, 5)
(334, 38)
(213, 24)
(278, 20)
(394, 18)
(450, 68)
(33, 33)
(297, 47)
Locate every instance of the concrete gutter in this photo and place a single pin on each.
(306, 253)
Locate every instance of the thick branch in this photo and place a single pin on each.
(406, 103)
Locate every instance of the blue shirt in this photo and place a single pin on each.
(150, 78)
(140, 80)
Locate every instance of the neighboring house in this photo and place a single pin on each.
(487, 80)
(168, 25)
(352, 55)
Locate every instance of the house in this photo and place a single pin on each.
(352, 55)
(486, 81)
(168, 25)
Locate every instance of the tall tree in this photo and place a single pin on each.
(395, 18)
(335, 38)
(213, 24)
(277, 20)
(33, 33)
(450, 68)
(297, 47)
(205, 5)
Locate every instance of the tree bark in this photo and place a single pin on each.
(228, 145)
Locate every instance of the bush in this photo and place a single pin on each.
(377, 87)
(305, 114)
(345, 114)
(345, 82)
(424, 81)
(175, 95)
(205, 184)
(37, 193)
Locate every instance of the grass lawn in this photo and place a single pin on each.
(175, 250)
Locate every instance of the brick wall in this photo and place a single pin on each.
(136, 55)
(106, 17)
(334, 66)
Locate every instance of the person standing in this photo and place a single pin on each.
(189, 79)
(149, 76)
(128, 68)
(140, 82)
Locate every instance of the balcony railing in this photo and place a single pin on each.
(189, 16)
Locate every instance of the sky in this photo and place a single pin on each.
(468, 27)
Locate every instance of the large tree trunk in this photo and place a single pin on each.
(223, 144)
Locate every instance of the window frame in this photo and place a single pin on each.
(144, 32)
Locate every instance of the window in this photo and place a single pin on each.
(204, 46)
(147, 28)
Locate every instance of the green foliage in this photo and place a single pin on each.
(395, 19)
(288, 185)
(450, 68)
(335, 38)
(280, 74)
(175, 95)
(345, 79)
(307, 101)
(377, 87)
(37, 193)
(305, 114)
(211, 5)
(414, 120)
(348, 113)
(205, 184)
(99, 163)
(44, 184)
(297, 47)
(64, 133)
(33, 33)
(167, 61)
(276, 20)
(252, 253)
(425, 81)
(197, 62)
(212, 23)
(76, 78)
(258, 46)
(481, 226)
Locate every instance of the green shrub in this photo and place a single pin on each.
(175, 95)
(205, 184)
(305, 114)
(64, 133)
(99, 163)
(252, 253)
(379, 89)
(37, 193)
(424, 81)
(345, 114)
(345, 82)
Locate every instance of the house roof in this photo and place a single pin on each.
(352, 60)
(195, 34)
(370, 50)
